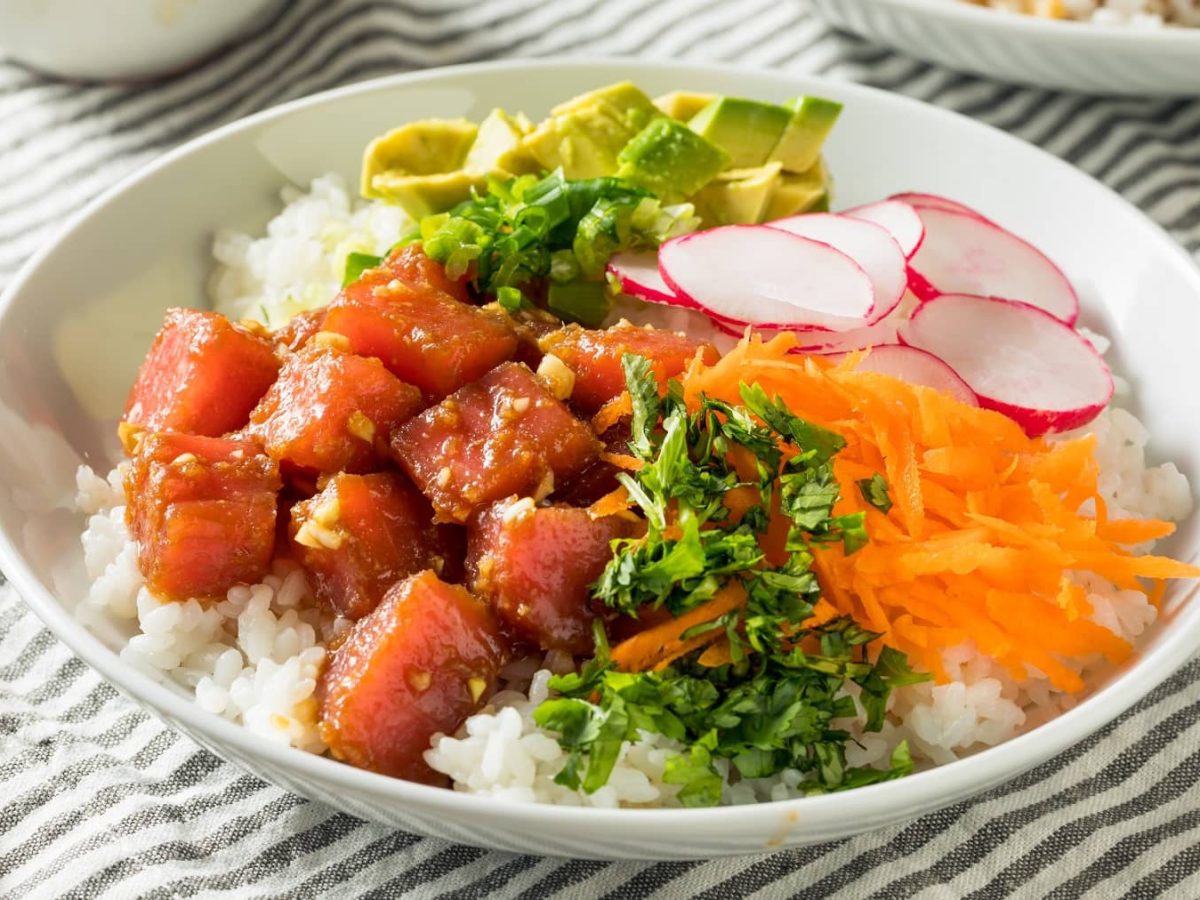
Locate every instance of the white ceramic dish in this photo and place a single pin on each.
(76, 321)
(120, 39)
(1073, 56)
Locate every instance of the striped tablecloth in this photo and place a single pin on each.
(98, 799)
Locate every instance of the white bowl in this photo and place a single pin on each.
(76, 321)
(1074, 56)
(120, 39)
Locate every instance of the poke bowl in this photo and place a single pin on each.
(725, 525)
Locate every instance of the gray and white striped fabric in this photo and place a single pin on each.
(97, 799)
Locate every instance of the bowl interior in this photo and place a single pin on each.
(76, 322)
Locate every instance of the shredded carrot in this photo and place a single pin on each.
(716, 655)
(661, 644)
(612, 503)
(983, 536)
(612, 412)
(622, 461)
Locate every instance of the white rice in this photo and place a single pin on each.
(299, 264)
(255, 657)
(1132, 13)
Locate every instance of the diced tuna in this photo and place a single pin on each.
(595, 357)
(504, 434)
(331, 411)
(536, 565)
(297, 331)
(202, 511)
(202, 375)
(400, 313)
(364, 533)
(423, 661)
(412, 266)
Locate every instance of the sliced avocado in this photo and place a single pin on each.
(683, 105)
(799, 192)
(625, 96)
(584, 135)
(670, 159)
(812, 120)
(745, 129)
(423, 195)
(428, 147)
(499, 147)
(738, 196)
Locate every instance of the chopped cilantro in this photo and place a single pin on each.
(776, 702)
(875, 491)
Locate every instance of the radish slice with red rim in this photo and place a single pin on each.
(637, 275)
(919, 201)
(826, 342)
(755, 275)
(915, 367)
(964, 254)
(868, 244)
(1017, 358)
(898, 218)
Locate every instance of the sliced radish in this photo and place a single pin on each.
(934, 201)
(825, 342)
(868, 244)
(963, 254)
(1017, 358)
(638, 276)
(898, 217)
(916, 367)
(755, 275)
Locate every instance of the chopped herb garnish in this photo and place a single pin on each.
(535, 229)
(875, 492)
(356, 264)
(772, 699)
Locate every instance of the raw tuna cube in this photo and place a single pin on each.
(203, 375)
(412, 266)
(331, 411)
(504, 434)
(297, 331)
(202, 510)
(424, 335)
(362, 534)
(535, 566)
(423, 661)
(595, 357)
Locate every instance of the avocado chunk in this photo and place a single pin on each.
(798, 192)
(812, 120)
(423, 195)
(682, 105)
(745, 129)
(670, 159)
(428, 147)
(738, 196)
(624, 96)
(584, 135)
(499, 146)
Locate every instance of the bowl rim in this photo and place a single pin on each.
(1023, 24)
(921, 791)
